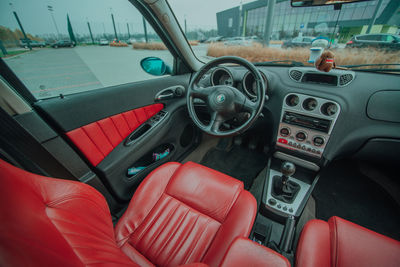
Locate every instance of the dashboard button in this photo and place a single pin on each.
(272, 202)
(301, 136)
(318, 141)
(282, 141)
(284, 132)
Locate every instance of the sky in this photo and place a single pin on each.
(37, 20)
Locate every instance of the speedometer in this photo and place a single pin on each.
(225, 80)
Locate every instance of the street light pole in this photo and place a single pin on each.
(115, 30)
(90, 31)
(145, 30)
(268, 22)
(185, 27)
(372, 22)
(22, 28)
(50, 9)
(129, 34)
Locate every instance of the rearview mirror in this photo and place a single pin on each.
(155, 66)
(306, 3)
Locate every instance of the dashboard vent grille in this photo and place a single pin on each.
(345, 79)
(295, 75)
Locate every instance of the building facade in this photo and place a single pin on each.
(288, 22)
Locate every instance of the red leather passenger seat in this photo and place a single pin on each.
(180, 214)
(344, 244)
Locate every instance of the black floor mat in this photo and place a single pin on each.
(240, 162)
(343, 191)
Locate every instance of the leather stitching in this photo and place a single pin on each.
(171, 235)
(189, 253)
(116, 128)
(160, 228)
(182, 241)
(94, 143)
(108, 138)
(150, 224)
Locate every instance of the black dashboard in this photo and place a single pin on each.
(359, 110)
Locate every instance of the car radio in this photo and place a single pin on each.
(306, 123)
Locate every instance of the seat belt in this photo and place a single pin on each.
(19, 146)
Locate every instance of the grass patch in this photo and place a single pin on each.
(119, 44)
(12, 53)
(193, 43)
(149, 46)
(260, 53)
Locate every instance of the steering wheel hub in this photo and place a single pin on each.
(222, 100)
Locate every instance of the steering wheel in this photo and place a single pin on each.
(223, 101)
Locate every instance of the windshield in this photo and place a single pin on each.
(359, 33)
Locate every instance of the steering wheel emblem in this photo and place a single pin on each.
(220, 98)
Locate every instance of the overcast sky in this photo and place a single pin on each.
(36, 19)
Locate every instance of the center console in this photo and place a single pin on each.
(306, 123)
(305, 127)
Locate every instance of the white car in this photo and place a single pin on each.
(103, 42)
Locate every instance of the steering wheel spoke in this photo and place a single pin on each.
(202, 93)
(249, 106)
(215, 122)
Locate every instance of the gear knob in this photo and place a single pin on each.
(288, 168)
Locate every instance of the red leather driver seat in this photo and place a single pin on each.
(180, 214)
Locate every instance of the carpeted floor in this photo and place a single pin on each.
(343, 191)
(239, 162)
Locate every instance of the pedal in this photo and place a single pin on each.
(238, 140)
(253, 143)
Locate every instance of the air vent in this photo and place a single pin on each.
(345, 79)
(295, 75)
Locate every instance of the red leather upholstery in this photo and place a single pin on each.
(244, 252)
(341, 243)
(180, 214)
(96, 140)
(192, 215)
(51, 222)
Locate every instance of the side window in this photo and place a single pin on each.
(77, 48)
(307, 40)
(297, 40)
(387, 38)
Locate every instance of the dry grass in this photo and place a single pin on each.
(149, 46)
(193, 43)
(119, 44)
(259, 53)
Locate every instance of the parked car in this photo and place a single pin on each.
(239, 41)
(33, 43)
(214, 39)
(380, 41)
(63, 43)
(300, 41)
(103, 41)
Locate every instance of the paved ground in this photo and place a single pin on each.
(50, 72)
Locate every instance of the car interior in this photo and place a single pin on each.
(223, 163)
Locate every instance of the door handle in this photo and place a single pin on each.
(170, 92)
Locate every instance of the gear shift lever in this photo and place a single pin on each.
(287, 170)
(283, 189)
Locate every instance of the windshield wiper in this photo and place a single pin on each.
(286, 63)
(368, 65)
(360, 66)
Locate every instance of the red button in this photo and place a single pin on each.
(282, 141)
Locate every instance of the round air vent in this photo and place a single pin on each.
(295, 75)
(345, 79)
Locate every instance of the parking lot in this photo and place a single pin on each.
(50, 72)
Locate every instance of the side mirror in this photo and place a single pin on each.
(155, 66)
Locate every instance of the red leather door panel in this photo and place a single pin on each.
(97, 139)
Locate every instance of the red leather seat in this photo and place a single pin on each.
(180, 214)
(341, 243)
